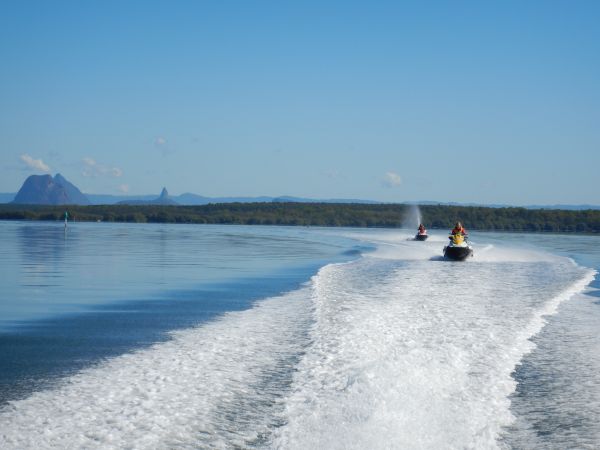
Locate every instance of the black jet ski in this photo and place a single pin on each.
(421, 236)
(458, 249)
(421, 233)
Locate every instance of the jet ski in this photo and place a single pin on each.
(421, 233)
(458, 249)
(421, 236)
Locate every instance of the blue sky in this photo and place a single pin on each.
(489, 102)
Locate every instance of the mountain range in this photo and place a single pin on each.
(57, 190)
(163, 199)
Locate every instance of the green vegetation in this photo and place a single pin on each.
(320, 214)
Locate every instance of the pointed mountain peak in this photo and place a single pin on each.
(164, 193)
(58, 178)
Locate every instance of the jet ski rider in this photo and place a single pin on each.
(458, 229)
(422, 229)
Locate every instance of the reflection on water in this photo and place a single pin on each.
(43, 249)
(47, 271)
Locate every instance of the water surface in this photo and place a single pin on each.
(269, 337)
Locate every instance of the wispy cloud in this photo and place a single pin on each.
(391, 179)
(35, 164)
(123, 188)
(92, 168)
(162, 144)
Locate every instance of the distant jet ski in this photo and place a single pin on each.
(421, 234)
(458, 249)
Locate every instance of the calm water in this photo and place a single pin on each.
(163, 336)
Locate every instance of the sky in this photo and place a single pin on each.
(485, 102)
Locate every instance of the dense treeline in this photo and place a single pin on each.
(320, 214)
(514, 219)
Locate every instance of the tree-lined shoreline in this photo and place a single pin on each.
(320, 214)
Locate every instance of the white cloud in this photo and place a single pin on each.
(391, 179)
(124, 188)
(91, 168)
(162, 143)
(35, 164)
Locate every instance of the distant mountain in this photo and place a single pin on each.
(290, 199)
(183, 199)
(194, 199)
(163, 199)
(107, 199)
(48, 190)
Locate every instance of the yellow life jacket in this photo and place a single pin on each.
(458, 239)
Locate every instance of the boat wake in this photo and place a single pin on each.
(390, 350)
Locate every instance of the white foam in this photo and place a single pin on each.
(418, 355)
(494, 253)
(204, 388)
